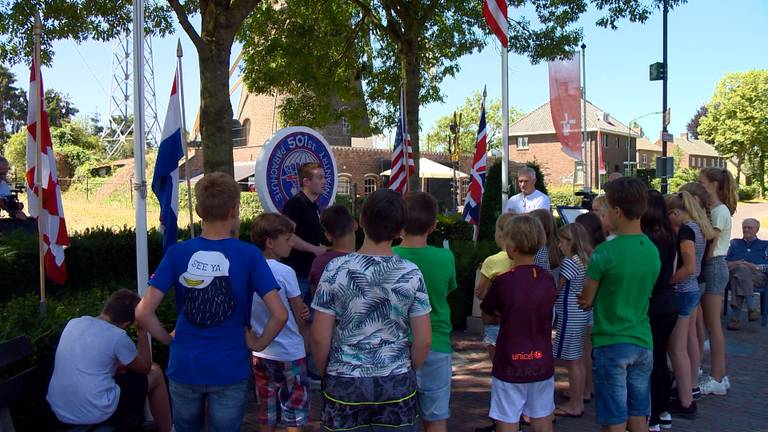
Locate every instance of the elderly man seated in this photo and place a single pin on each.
(747, 263)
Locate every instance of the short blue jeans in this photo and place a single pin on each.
(226, 406)
(622, 377)
(687, 302)
(433, 383)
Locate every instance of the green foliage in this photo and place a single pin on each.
(59, 107)
(469, 256)
(16, 153)
(563, 196)
(437, 137)
(491, 206)
(13, 105)
(748, 193)
(735, 119)
(452, 228)
(646, 175)
(681, 177)
(77, 20)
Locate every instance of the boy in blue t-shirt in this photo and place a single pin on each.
(215, 276)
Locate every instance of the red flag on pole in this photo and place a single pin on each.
(564, 104)
(54, 227)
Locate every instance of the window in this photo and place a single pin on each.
(344, 186)
(605, 140)
(346, 128)
(371, 184)
(245, 132)
(644, 158)
(522, 143)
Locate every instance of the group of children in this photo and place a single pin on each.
(625, 294)
(621, 283)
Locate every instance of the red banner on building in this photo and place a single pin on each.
(565, 103)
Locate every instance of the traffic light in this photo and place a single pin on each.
(657, 71)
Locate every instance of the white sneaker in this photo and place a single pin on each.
(712, 386)
(727, 382)
(654, 428)
(665, 420)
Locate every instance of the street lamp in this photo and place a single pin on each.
(454, 152)
(629, 138)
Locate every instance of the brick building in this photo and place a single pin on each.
(694, 153)
(533, 138)
(359, 169)
(647, 152)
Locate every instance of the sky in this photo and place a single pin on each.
(707, 39)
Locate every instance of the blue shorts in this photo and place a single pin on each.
(433, 383)
(687, 302)
(223, 411)
(491, 334)
(621, 375)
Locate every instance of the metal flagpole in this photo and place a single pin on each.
(140, 184)
(504, 128)
(180, 84)
(406, 139)
(584, 136)
(38, 158)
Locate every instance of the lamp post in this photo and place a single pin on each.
(454, 151)
(629, 137)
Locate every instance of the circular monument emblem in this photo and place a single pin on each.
(277, 170)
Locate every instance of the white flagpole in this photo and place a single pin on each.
(38, 158)
(504, 129)
(179, 55)
(140, 184)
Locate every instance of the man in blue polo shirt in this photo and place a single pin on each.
(747, 264)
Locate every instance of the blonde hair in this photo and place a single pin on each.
(581, 243)
(684, 201)
(525, 233)
(502, 220)
(600, 201)
(550, 232)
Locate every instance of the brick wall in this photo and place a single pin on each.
(557, 167)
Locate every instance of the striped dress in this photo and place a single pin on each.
(571, 321)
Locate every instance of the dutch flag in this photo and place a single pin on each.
(165, 182)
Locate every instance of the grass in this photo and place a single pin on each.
(82, 213)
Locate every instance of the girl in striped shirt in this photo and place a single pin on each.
(572, 321)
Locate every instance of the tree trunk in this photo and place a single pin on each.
(409, 59)
(215, 106)
(761, 174)
(738, 170)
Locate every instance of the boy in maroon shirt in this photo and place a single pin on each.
(339, 227)
(521, 300)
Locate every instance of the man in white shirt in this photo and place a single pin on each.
(529, 198)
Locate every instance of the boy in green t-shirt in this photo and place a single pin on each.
(438, 267)
(618, 285)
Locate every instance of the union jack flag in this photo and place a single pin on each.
(402, 155)
(477, 179)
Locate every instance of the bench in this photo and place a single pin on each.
(26, 383)
(31, 384)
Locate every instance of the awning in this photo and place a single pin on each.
(431, 169)
(243, 170)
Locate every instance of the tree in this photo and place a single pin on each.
(693, 125)
(59, 107)
(13, 105)
(637, 127)
(103, 20)
(394, 44)
(736, 119)
(437, 137)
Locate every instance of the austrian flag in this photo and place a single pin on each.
(54, 228)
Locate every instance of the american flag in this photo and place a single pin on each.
(477, 179)
(495, 12)
(402, 155)
(54, 227)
